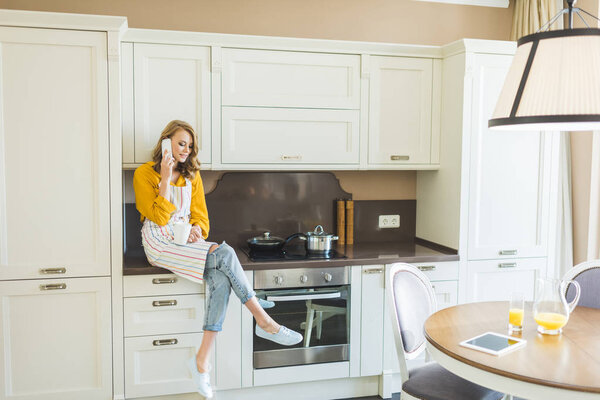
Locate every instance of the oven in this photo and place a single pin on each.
(312, 301)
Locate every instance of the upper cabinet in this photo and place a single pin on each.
(264, 78)
(162, 83)
(400, 110)
(54, 154)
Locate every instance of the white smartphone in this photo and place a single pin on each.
(166, 145)
(494, 343)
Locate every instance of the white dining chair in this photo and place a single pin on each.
(587, 274)
(412, 300)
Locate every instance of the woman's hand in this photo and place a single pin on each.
(166, 166)
(195, 234)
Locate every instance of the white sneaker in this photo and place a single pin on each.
(201, 379)
(285, 336)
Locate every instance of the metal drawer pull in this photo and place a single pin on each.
(53, 286)
(334, 295)
(399, 158)
(373, 271)
(53, 270)
(508, 252)
(160, 281)
(287, 158)
(164, 303)
(427, 267)
(507, 265)
(164, 342)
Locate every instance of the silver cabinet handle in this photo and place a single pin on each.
(164, 342)
(373, 271)
(53, 270)
(508, 252)
(162, 281)
(399, 158)
(426, 267)
(164, 303)
(288, 158)
(53, 286)
(507, 265)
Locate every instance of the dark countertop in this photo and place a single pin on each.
(135, 263)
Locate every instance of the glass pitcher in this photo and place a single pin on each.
(550, 309)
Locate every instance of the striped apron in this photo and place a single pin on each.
(185, 260)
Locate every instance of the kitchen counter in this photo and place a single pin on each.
(135, 263)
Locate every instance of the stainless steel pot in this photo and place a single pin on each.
(318, 241)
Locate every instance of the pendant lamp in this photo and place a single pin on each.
(553, 83)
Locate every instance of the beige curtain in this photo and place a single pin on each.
(530, 15)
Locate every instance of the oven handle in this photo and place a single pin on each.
(305, 297)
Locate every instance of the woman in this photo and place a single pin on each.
(169, 189)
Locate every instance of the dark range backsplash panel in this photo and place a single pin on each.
(246, 204)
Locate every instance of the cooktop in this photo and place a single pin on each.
(291, 253)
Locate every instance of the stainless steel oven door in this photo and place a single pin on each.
(321, 314)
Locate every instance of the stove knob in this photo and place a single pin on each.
(327, 277)
(278, 280)
(303, 278)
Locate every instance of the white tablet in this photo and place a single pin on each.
(494, 343)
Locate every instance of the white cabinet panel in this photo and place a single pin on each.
(54, 161)
(289, 136)
(55, 339)
(400, 110)
(290, 79)
(159, 285)
(446, 293)
(509, 177)
(157, 365)
(171, 82)
(372, 320)
(163, 314)
(494, 280)
(439, 271)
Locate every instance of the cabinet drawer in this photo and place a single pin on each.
(493, 280)
(159, 285)
(163, 314)
(288, 136)
(290, 79)
(157, 365)
(439, 271)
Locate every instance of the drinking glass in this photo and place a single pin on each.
(516, 310)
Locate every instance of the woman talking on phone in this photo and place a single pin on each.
(168, 190)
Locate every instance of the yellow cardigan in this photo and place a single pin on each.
(158, 209)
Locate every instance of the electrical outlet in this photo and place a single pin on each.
(389, 221)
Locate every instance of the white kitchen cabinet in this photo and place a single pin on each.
(400, 110)
(55, 341)
(509, 173)
(54, 154)
(169, 82)
(372, 320)
(163, 319)
(494, 280)
(266, 78)
(275, 136)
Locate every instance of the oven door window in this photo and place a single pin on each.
(321, 315)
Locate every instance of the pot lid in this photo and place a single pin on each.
(318, 231)
(266, 238)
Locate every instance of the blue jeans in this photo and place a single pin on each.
(223, 272)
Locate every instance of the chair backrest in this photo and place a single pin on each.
(411, 301)
(587, 274)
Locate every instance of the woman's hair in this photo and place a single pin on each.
(191, 165)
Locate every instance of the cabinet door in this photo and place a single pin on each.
(289, 136)
(372, 320)
(446, 293)
(170, 82)
(400, 110)
(509, 176)
(54, 154)
(55, 339)
(290, 79)
(494, 280)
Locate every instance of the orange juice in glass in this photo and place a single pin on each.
(516, 311)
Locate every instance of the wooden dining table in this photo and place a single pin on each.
(565, 366)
